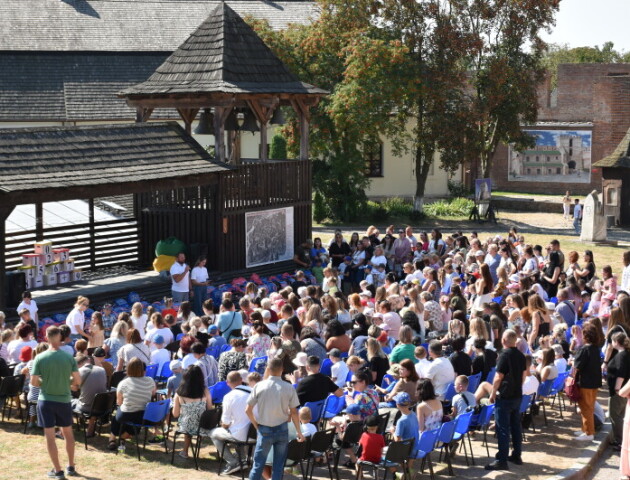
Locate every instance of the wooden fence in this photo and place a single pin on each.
(112, 242)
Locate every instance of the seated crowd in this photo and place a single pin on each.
(394, 324)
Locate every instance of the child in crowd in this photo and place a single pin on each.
(379, 275)
(332, 284)
(305, 415)
(318, 271)
(372, 443)
(109, 319)
(6, 337)
(80, 347)
(407, 425)
(576, 338)
(97, 331)
(423, 363)
(464, 399)
(339, 370)
(172, 384)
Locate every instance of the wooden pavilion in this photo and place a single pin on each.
(224, 65)
(178, 188)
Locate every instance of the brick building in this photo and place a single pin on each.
(580, 121)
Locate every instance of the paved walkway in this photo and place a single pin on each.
(607, 468)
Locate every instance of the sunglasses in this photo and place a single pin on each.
(353, 382)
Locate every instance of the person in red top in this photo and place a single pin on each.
(371, 443)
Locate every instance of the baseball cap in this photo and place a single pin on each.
(335, 352)
(353, 409)
(158, 340)
(479, 253)
(550, 305)
(175, 365)
(213, 329)
(402, 398)
(382, 337)
(25, 354)
(372, 421)
(99, 352)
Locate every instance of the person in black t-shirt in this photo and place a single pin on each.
(316, 386)
(507, 392)
(461, 361)
(485, 359)
(338, 250)
(553, 266)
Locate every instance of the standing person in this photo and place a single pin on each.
(507, 392)
(402, 251)
(587, 372)
(76, 319)
(180, 277)
(200, 281)
(625, 276)
(55, 372)
(276, 401)
(30, 305)
(577, 216)
(617, 375)
(566, 206)
(230, 322)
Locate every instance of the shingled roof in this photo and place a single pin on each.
(47, 162)
(620, 157)
(224, 55)
(73, 86)
(125, 25)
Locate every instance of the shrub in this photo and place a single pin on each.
(319, 208)
(376, 212)
(397, 207)
(457, 207)
(457, 189)
(278, 148)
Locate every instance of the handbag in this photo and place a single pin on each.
(572, 389)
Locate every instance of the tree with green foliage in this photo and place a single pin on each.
(278, 149)
(556, 54)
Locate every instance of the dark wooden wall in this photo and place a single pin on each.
(189, 214)
(261, 186)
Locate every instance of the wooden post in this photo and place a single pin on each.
(264, 155)
(263, 115)
(218, 134)
(4, 214)
(143, 114)
(92, 230)
(304, 122)
(39, 221)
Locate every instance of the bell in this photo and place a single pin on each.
(206, 123)
(249, 123)
(231, 122)
(278, 117)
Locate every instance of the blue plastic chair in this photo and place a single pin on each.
(554, 300)
(151, 371)
(214, 351)
(426, 444)
(326, 367)
(558, 386)
(333, 406)
(450, 393)
(544, 391)
(445, 437)
(462, 427)
(497, 299)
(165, 373)
(526, 401)
(317, 408)
(252, 365)
(344, 355)
(483, 421)
(491, 374)
(387, 350)
(387, 380)
(218, 391)
(179, 337)
(349, 377)
(473, 382)
(225, 348)
(154, 413)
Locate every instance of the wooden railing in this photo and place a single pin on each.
(114, 242)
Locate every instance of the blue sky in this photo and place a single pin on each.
(587, 23)
(548, 137)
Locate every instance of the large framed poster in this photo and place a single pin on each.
(562, 156)
(269, 236)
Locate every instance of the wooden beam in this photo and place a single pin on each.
(39, 221)
(304, 115)
(220, 116)
(209, 100)
(263, 114)
(143, 114)
(5, 211)
(92, 231)
(188, 116)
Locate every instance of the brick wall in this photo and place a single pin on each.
(597, 93)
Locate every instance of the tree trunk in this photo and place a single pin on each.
(423, 165)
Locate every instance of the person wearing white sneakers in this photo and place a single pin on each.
(587, 372)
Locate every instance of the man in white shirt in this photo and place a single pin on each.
(30, 305)
(423, 362)
(625, 276)
(441, 371)
(577, 215)
(180, 276)
(234, 422)
(339, 370)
